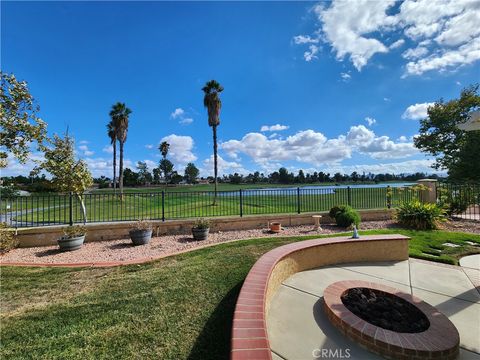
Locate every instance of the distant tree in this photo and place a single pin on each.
(454, 149)
(337, 177)
(175, 177)
(283, 176)
(166, 166)
(19, 123)
(144, 174)
(354, 176)
(164, 147)
(156, 175)
(212, 102)
(120, 115)
(68, 173)
(236, 178)
(112, 134)
(131, 178)
(301, 177)
(191, 173)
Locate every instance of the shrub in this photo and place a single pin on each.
(420, 216)
(345, 216)
(142, 224)
(8, 240)
(70, 232)
(202, 224)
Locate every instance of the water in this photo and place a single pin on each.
(329, 189)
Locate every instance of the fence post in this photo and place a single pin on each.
(429, 195)
(163, 205)
(349, 196)
(241, 203)
(298, 200)
(70, 200)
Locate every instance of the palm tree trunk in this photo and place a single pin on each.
(215, 169)
(115, 167)
(120, 172)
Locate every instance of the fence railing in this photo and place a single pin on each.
(27, 211)
(462, 200)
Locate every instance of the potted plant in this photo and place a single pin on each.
(73, 238)
(141, 232)
(201, 229)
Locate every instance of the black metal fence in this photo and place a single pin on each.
(27, 211)
(462, 200)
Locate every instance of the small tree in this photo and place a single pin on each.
(19, 123)
(454, 149)
(191, 173)
(144, 174)
(68, 173)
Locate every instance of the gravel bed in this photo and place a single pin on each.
(123, 250)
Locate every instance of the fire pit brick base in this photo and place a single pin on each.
(440, 341)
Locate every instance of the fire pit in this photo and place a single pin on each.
(389, 322)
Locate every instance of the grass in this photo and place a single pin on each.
(108, 207)
(176, 308)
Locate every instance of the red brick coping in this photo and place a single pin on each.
(249, 331)
(440, 341)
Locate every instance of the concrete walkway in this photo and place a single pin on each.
(298, 328)
(471, 261)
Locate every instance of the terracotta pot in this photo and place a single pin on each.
(275, 227)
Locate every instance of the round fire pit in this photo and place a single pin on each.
(389, 322)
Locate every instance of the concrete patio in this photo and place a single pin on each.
(298, 328)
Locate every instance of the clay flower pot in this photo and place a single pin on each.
(275, 227)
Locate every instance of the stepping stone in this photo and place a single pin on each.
(450, 245)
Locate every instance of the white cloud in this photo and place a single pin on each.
(83, 147)
(415, 53)
(180, 148)
(83, 142)
(403, 167)
(85, 150)
(108, 149)
(416, 111)
(345, 25)
(149, 146)
(89, 153)
(311, 53)
(223, 166)
(345, 76)
(443, 34)
(276, 127)
(186, 121)
(387, 99)
(305, 39)
(397, 44)
(370, 121)
(177, 113)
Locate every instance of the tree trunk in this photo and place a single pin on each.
(84, 209)
(215, 170)
(120, 172)
(115, 167)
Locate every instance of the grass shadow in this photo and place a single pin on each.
(120, 246)
(48, 252)
(214, 339)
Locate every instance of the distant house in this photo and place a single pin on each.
(203, 181)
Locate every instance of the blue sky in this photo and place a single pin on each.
(345, 82)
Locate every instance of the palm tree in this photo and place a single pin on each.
(164, 147)
(112, 134)
(212, 102)
(119, 115)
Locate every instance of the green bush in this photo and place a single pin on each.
(420, 216)
(8, 240)
(345, 215)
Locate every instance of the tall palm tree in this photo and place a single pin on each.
(112, 134)
(119, 114)
(212, 102)
(164, 147)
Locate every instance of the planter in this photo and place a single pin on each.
(275, 227)
(69, 244)
(140, 237)
(200, 234)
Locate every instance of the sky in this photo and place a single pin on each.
(327, 86)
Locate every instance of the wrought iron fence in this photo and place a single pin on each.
(27, 211)
(461, 200)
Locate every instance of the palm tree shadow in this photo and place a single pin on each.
(48, 252)
(214, 339)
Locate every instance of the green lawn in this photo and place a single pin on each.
(176, 308)
(190, 204)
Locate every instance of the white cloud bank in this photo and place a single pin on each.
(445, 33)
(417, 111)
